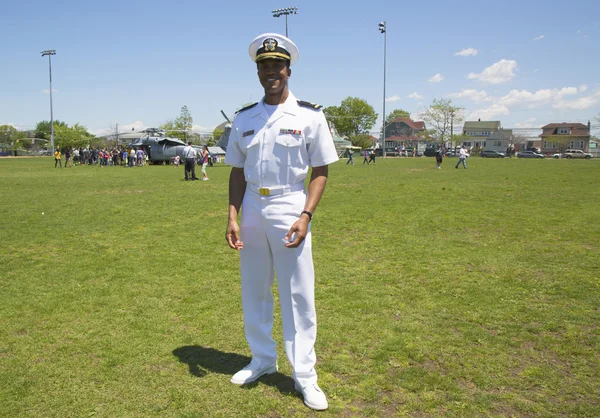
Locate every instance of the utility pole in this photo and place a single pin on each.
(117, 144)
(49, 53)
(382, 29)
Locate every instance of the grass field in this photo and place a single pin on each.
(439, 292)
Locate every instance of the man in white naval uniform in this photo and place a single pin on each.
(271, 147)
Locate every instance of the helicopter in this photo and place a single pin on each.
(160, 148)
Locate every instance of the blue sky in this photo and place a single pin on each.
(136, 63)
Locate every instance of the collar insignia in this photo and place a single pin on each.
(248, 133)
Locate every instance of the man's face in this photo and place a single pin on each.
(273, 75)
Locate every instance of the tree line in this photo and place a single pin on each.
(354, 118)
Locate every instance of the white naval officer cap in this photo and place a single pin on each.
(275, 46)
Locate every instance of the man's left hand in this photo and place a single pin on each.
(299, 230)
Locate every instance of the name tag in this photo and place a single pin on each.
(247, 133)
(290, 132)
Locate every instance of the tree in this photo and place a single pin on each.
(520, 140)
(397, 113)
(217, 134)
(7, 133)
(362, 140)
(42, 129)
(561, 142)
(353, 117)
(71, 137)
(439, 117)
(180, 127)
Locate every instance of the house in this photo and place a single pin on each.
(557, 137)
(404, 132)
(487, 135)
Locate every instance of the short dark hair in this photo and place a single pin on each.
(189, 142)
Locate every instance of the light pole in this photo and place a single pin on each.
(285, 11)
(382, 29)
(50, 52)
(452, 128)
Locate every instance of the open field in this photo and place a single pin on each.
(439, 292)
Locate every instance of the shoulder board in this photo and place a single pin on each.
(309, 104)
(247, 107)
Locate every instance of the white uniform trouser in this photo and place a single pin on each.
(265, 221)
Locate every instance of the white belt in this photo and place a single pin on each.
(277, 190)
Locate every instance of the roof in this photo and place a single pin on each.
(575, 129)
(417, 125)
(490, 124)
(338, 140)
(565, 125)
(399, 138)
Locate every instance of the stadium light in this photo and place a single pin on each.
(382, 29)
(285, 12)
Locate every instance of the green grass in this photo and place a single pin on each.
(439, 292)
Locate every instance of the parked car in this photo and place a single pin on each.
(491, 154)
(530, 154)
(577, 153)
(557, 155)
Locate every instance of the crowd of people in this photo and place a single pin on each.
(104, 157)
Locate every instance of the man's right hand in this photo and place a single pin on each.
(232, 236)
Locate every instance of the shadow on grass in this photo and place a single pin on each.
(201, 360)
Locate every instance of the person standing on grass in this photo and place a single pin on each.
(350, 157)
(366, 159)
(132, 158)
(205, 157)
(272, 146)
(189, 158)
(57, 160)
(371, 156)
(439, 156)
(68, 158)
(462, 157)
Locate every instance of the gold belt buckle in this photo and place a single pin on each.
(263, 191)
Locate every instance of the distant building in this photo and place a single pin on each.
(557, 137)
(487, 135)
(404, 132)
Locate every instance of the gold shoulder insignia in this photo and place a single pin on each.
(309, 104)
(246, 108)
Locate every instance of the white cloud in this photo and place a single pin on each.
(578, 104)
(467, 52)
(123, 129)
(47, 91)
(583, 88)
(436, 78)
(137, 126)
(497, 73)
(415, 95)
(540, 97)
(471, 94)
(392, 99)
(489, 113)
(200, 128)
(528, 123)
(537, 38)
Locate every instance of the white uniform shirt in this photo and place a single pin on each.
(278, 150)
(189, 152)
(463, 153)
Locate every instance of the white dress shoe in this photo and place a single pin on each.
(250, 373)
(314, 397)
